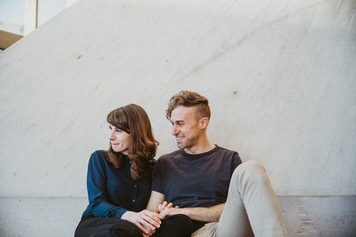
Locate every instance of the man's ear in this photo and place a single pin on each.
(203, 123)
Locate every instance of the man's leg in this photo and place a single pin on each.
(208, 230)
(251, 200)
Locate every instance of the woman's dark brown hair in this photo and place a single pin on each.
(142, 145)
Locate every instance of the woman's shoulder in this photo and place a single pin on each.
(98, 156)
(101, 153)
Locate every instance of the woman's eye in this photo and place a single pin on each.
(118, 130)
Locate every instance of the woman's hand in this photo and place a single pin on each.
(145, 220)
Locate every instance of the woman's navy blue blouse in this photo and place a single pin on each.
(112, 191)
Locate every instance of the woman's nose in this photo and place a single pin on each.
(112, 135)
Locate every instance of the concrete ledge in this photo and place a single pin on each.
(304, 216)
(328, 216)
(36, 216)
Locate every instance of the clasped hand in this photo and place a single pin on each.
(148, 221)
(163, 210)
(145, 220)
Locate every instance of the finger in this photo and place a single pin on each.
(170, 205)
(157, 210)
(152, 215)
(151, 232)
(162, 215)
(142, 228)
(156, 218)
(176, 207)
(146, 220)
(152, 220)
(164, 204)
(147, 225)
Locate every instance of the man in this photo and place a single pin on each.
(196, 179)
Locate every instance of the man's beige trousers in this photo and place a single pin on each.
(251, 208)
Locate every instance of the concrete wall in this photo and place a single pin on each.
(280, 76)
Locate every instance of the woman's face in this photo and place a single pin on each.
(119, 140)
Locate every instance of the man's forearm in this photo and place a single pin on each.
(204, 214)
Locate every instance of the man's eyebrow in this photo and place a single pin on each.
(177, 121)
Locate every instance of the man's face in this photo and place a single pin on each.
(185, 126)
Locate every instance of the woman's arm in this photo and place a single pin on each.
(96, 182)
(96, 186)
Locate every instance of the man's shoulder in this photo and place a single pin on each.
(228, 156)
(170, 156)
(225, 150)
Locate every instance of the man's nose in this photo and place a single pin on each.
(174, 130)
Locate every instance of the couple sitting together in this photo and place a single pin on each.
(199, 190)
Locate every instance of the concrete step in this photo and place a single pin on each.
(329, 216)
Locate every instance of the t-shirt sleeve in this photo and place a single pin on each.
(157, 182)
(236, 161)
(96, 185)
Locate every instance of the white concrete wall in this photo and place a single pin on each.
(280, 76)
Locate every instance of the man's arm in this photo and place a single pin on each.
(156, 198)
(204, 214)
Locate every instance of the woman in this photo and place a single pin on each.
(119, 180)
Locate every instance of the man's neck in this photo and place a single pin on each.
(200, 148)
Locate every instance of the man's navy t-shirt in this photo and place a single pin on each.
(195, 180)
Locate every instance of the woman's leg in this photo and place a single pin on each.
(175, 226)
(106, 227)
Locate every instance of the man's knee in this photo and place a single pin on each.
(251, 166)
(251, 171)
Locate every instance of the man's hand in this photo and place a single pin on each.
(171, 211)
(163, 206)
(147, 221)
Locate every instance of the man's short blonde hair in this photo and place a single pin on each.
(189, 99)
